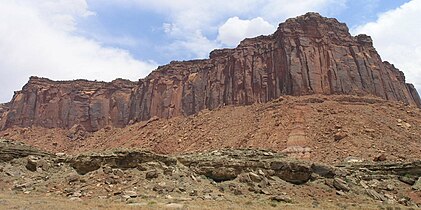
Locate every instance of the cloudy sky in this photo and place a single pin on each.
(108, 39)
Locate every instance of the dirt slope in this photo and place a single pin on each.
(327, 129)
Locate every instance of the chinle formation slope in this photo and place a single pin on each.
(309, 54)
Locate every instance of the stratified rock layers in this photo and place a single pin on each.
(309, 54)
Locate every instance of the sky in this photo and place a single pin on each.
(108, 39)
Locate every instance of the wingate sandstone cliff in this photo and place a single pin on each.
(309, 54)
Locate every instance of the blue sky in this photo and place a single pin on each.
(145, 27)
(107, 39)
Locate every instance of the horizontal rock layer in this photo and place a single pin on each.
(309, 54)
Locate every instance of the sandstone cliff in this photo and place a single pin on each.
(62, 104)
(3, 110)
(309, 54)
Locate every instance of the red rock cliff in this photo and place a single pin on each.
(62, 104)
(309, 54)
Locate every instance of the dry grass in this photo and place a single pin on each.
(32, 202)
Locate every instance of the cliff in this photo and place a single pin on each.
(309, 54)
(3, 109)
(62, 104)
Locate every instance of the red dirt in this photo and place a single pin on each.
(369, 127)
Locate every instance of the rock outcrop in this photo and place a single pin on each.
(309, 54)
(10, 150)
(132, 176)
(3, 108)
(64, 104)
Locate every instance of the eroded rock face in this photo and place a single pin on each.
(123, 159)
(309, 54)
(64, 104)
(10, 150)
(3, 109)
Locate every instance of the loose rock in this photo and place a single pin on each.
(152, 174)
(340, 135)
(282, 198)
(340, 184)
(417, 185)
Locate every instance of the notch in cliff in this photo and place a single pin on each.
(309, 54)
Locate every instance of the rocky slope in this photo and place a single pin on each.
(309, 54)
(327, 129)
(249, 179)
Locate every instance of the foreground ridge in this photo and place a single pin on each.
(309, 54)
(223, 177)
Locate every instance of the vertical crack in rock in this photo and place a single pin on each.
(309, 54)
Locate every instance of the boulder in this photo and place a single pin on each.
(323, 170)
(340, 135)
(380, 158)
(221, 174)
(77, 132)
(417, 185)
(152, 174)
(31, 164)
(254, 177)
(292, 172)
(407, 180)
(341, 185)
(375, 195)
(281, 198)
(35, 164)
(72, 177)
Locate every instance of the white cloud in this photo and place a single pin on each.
(188, 18)
(278, 10)
(396, 37)
(201, 13)
(60, 14)
(235, 30)
(39, 37)
(195, 45)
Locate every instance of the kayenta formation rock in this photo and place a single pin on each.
(309, 54)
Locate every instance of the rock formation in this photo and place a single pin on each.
(63, 104)
(309, 54)
(218, 176)
(3, 109)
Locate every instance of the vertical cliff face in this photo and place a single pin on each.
(309, 54)
(3, 109)
(306, 55)
(51, 104)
